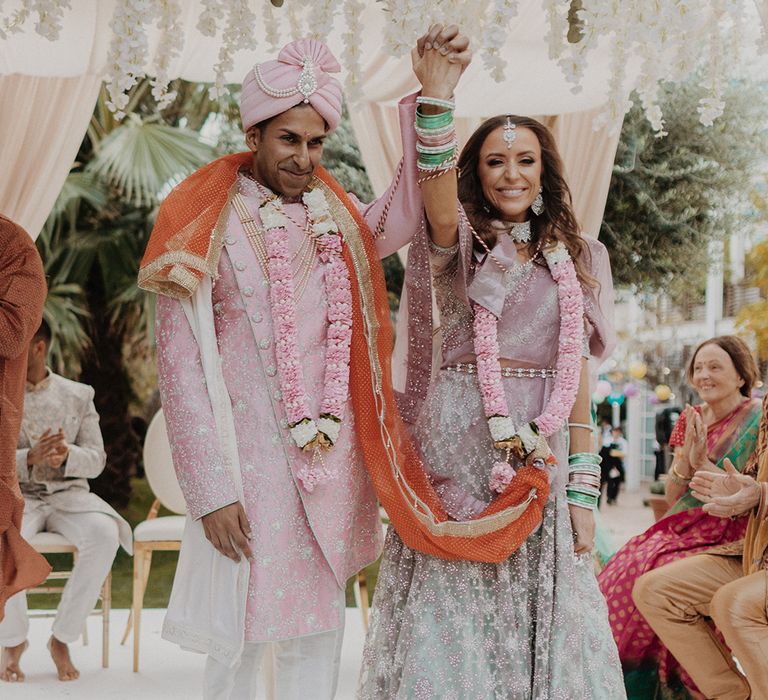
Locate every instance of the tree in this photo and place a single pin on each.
(91, 246)
(671, 196)
(753, 318)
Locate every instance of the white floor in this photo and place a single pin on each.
(167, 672)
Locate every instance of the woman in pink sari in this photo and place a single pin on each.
(724, 426)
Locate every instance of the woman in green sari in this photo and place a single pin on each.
(724, 425)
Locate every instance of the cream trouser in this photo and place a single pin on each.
(675, 600)
(305, 668)
(96, 537)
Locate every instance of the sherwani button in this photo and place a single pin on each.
(248, 291)
(229, 240)
(264, 343)
(271, 371)
(283, 423)
(256, 317)
(277, 395)
(265, 283)
(240, 266)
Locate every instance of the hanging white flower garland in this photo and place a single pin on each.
(668, 38)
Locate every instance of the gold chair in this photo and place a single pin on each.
(54, 543)
(161, 534)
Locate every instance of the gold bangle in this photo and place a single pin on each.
(679, 476)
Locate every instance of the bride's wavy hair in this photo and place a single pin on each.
(556, 223)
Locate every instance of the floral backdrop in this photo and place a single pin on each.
(649, 42)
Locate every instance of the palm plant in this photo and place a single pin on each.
(91, 246)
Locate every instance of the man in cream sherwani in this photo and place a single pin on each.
(59, 448)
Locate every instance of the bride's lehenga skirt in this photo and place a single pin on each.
(533, 627)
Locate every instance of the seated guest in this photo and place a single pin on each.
(728, 584)
(59, 449)
(723, 372)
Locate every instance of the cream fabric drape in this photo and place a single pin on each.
(42, 122)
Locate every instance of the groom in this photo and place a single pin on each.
(270, 300)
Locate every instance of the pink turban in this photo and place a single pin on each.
(300, 74)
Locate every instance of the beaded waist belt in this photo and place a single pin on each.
(519, 372)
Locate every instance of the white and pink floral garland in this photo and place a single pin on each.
(310, 434)
(528, 442)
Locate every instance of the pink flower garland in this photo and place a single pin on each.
(283, 309)
(569, 294)
(560, 403)
(339, 334)
(304, 429)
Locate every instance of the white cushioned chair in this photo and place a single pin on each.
(155, 533)
(54, 543)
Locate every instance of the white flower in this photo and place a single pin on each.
(557, 254)
(330, 427)
(709, 109)
(529, 437)
(271, 215)
(501, 427)
(321, 18)
(213, 11)
(323, 226)
(497, 25)
(315, 201)
(351, 55)
(128, 49)
(303, 433)
(271, 27)
(169, 47)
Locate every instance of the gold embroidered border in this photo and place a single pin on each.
(181, 282)
(470, 528)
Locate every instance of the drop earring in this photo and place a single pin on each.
(537, 206)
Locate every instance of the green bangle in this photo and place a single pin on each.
(576, 493)
(433, 121)
(585, 457)
(577, 499)
(429, 159)
(592, 491)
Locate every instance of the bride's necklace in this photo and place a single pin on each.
(519, 232)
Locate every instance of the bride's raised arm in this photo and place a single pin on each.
(439, 59)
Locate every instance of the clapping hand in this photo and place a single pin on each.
(439, 59)
(696, 437)
(51, 450)
(725, 494)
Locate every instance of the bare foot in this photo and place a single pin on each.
(10, 671)
(60, 655)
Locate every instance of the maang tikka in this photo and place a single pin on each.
(510, 133)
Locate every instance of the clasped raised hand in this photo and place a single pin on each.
(439, 59)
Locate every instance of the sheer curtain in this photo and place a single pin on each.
(43, 122)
